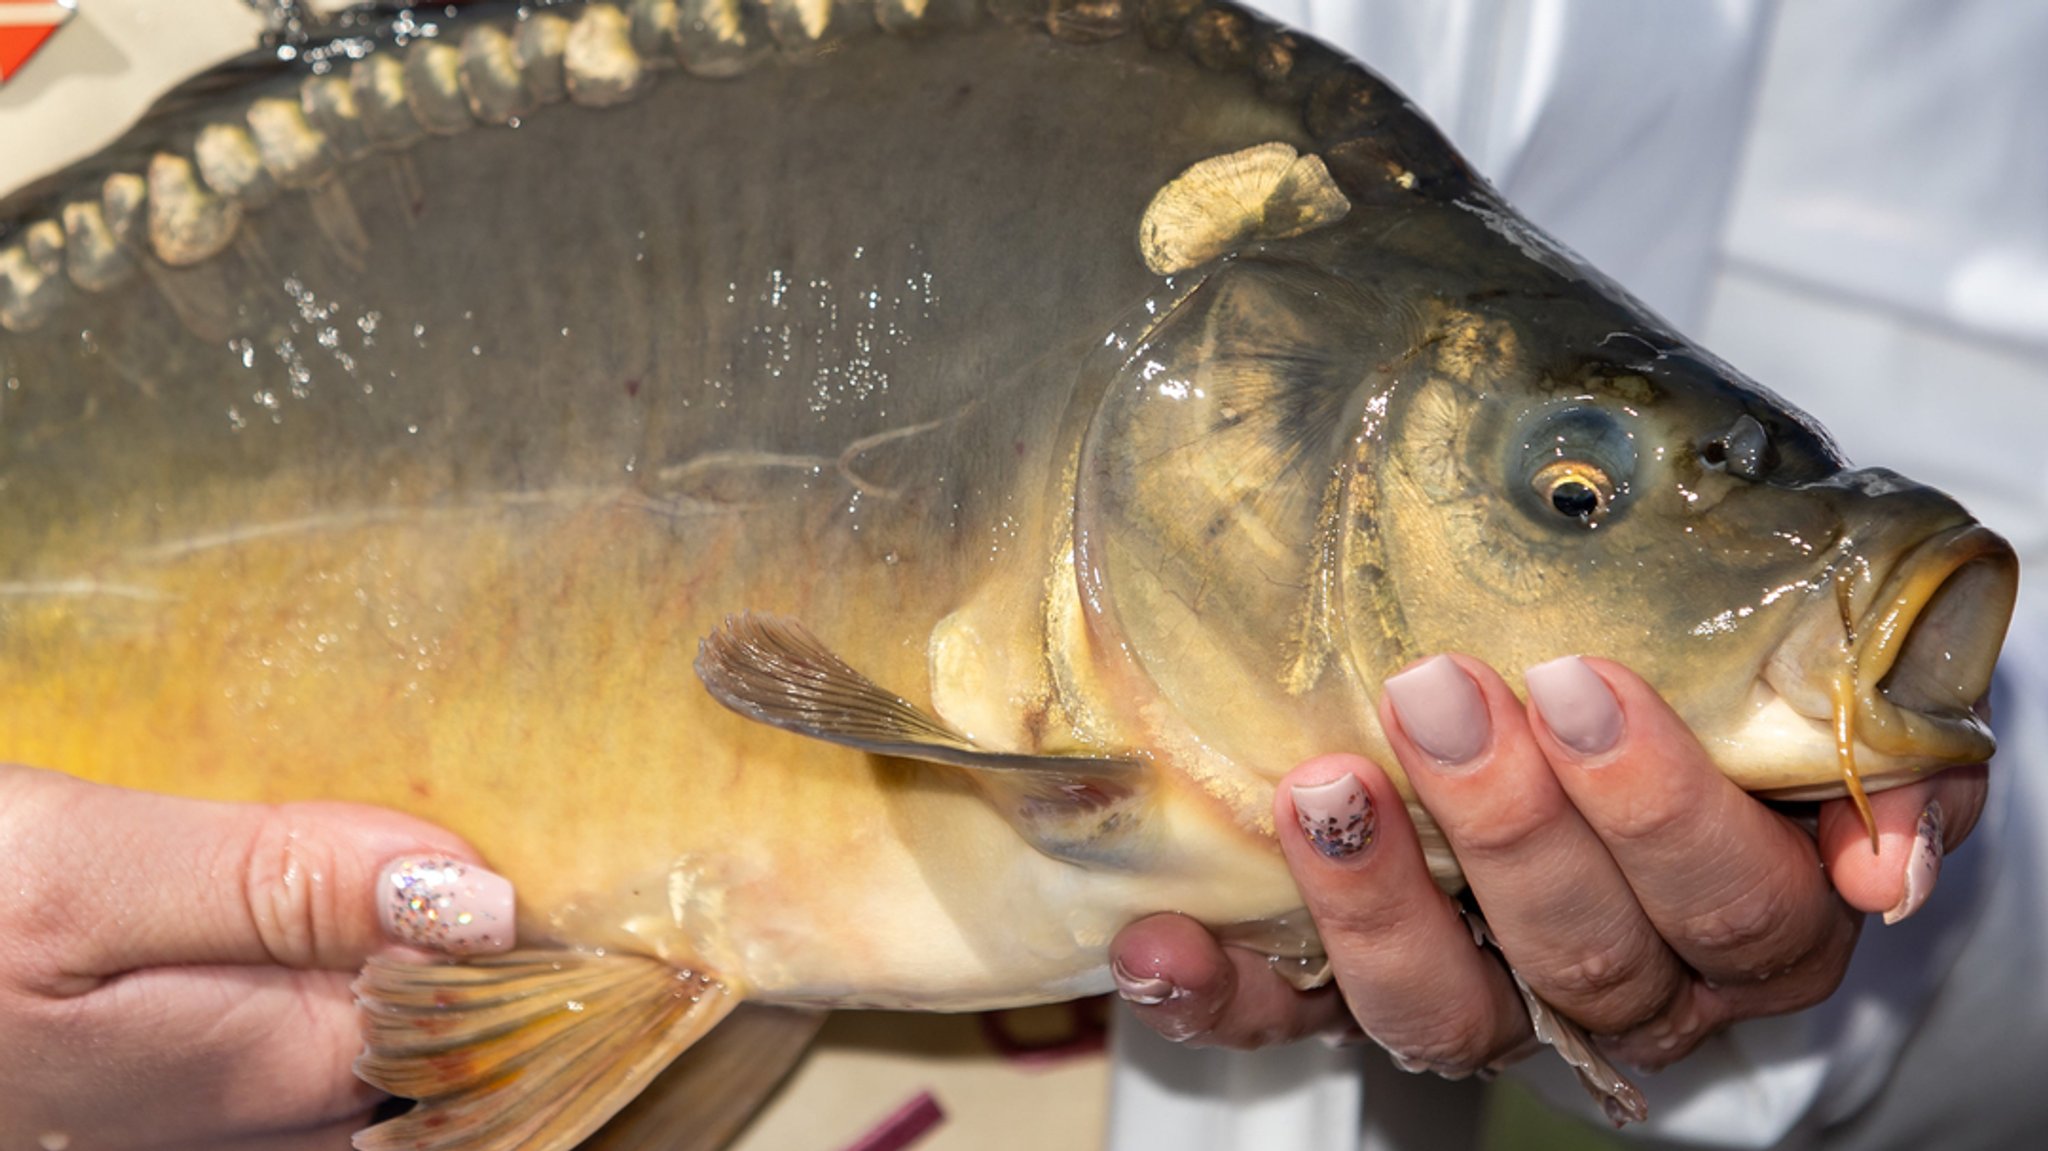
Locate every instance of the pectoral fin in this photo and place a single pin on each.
(772, 669)
(531, 1050)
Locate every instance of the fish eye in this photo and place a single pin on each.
(1574, 489)
(1579, 461)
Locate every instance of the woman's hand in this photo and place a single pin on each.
(175, 974)
(1635, 888)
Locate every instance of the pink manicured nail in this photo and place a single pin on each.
(446, 905)
(1337, 816)
(1923, 867)
(1146, 991)
(1441, 710)
(1576, 703)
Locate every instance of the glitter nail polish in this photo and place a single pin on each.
(1337, 816)
(446, 905)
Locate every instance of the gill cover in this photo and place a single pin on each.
(1210, 505)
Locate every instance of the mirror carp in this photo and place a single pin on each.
(853, 502)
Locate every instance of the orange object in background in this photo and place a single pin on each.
(25, 26)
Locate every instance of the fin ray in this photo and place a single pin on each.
(532, 1050)
(772, 669)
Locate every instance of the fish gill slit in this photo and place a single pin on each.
(360, 92)
(1843, 697)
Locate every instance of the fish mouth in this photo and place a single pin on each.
(1927, 645)
(1908, 657)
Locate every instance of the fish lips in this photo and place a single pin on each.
(1923, 641)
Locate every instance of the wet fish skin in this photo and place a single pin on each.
(487, 545)
(423, 485)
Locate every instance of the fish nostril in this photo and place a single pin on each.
(1744, 449)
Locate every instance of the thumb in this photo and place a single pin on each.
(120, 880)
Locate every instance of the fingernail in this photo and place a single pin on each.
(1576, 704)
(1337, 817)
(1441, 710)
(1143, 990)
(446, 905)
(1424, 1067)
(1923, 867)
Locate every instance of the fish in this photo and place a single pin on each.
(853, 502)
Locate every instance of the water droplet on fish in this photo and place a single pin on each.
(574, 1005)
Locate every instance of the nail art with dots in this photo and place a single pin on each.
(1337, 816)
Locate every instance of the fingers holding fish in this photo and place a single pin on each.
(175, 950)
(1917, 825)
(1734, 888)
(1400, 950)
(1189, 988)
(267, 1050)
(1553, 897)
(193, 882)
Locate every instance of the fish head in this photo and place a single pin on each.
(1566, 476)
(1322, 459)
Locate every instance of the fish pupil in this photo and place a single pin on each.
(1575, 499)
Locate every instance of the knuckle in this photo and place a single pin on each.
(41, 933)
(281, 889)
(1804, 981)
(1596, 976)
(1450, 1048)
(1611, 989)
(1643, 819)
(1501, 830)
(1755, 932)
(1505, 809)
(1744, 924)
